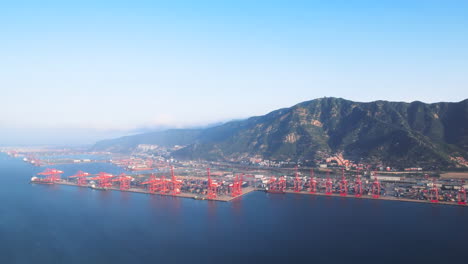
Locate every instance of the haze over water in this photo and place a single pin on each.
(66, 224)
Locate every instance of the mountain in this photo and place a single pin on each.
(166, 138)
(395, 133)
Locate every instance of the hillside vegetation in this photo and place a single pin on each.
(397, 133)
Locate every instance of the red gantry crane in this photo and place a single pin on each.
(81, 179)
(375, 187)
(51, 175)
(175, 185)
(103, 179)
(156, 184)
(358, 186)
(236, 188)
(277, 185)
(297, 181)
(272, 185)
(343, 184)
(434, 192)
(328, 184)
(313, 182)
(462, 194)
(124, 181)
(163, 185)
(212, 186)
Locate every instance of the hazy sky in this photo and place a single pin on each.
(77, 71)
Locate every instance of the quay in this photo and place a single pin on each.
(227, 198)
(368, 197)
(221, 198)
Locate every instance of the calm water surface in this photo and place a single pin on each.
(65, 224)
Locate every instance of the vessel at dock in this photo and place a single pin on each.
(93, 186)
(40, 181)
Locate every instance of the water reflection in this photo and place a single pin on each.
(155, 202)
(125, 198)
(174, 205)
(212, 216)
(111, 227)
(83, 192)
(236, 206)
(104, 195)
(343, 201)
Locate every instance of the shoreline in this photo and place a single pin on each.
(222, 198)
(225, 198)
(385, 198)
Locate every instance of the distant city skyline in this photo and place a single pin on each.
(79, 71)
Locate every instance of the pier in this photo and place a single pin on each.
(220, 198)
(227, 198)
(369, 197)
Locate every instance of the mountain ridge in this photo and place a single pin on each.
(402, 133)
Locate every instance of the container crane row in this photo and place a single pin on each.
(103, 180)
(313, 182)
(212, 187)
(124, 181)
(81, 178)
(328, 184)
(343, 184)
(297, 181)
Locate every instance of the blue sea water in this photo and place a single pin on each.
(76, 156)
(66, 224)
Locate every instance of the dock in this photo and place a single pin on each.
(368, 197)
(227, 198)
(221, 198)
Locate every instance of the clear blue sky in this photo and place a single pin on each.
(77, 71)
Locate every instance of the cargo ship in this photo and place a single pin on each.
(40, 181)
(94, 187)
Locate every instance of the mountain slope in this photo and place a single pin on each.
(400, 133)
(165, 138)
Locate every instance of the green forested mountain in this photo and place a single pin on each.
(396, 133)
(164, 138)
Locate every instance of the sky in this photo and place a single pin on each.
(73, 72)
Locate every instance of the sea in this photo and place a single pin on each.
(67, 224)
